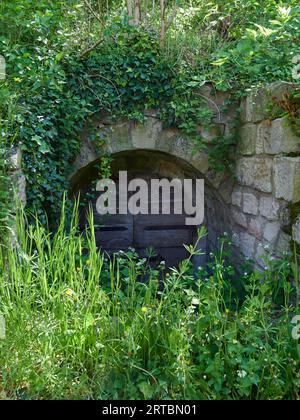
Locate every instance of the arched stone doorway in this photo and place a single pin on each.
(165, 234)
(256, 204)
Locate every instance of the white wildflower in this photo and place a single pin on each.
(242, 373)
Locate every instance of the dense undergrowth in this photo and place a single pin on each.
(80, 326)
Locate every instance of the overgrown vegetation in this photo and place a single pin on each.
(66, 60)
(80, 326)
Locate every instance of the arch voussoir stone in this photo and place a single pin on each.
(126, 135)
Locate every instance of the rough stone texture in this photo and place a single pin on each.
(254, 204)
(268, 177)
(296, 231)
(285, 215)
(250, 204)
(17, 177)
(281, 139)
(255, 172)
(247, 139)
(239, 218)
(21, 185)
(263, 135)
(87, 155)
(15, 159)
(19, 182)
(271, 231)
(225, 190)
(166, 139)
(215, 178)
(248, 108)
(256, 227)
(287, 178)
(255, 106)
(119, 136)
(145, 136)
(236, 198)
(284, 243)
(201, 162)
(261, 256)
(269, 208)
(247, 243)
(181, 148)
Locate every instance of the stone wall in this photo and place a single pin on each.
(259, 205)
(256, 204)
(18, 180)
(268, 178)
(18, 187)
(174, 154)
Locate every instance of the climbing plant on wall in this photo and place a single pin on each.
(66, 61)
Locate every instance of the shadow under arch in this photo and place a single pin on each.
(154, 164)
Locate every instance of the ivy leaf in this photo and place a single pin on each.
(44, 148)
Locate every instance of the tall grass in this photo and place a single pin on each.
(82, 326)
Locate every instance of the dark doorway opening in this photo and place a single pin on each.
(164, 235)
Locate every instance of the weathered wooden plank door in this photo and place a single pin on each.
(165, 233)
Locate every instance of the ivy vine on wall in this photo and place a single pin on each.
(126, 76)
(57, 88)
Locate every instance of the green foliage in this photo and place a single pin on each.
(58, 95)
(233, 45)
(263, 54)
(95, 331)
(128, 76)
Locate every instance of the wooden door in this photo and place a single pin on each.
(166, 234)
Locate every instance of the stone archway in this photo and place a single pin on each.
(166, 154)
(166, 234)
(261, 198)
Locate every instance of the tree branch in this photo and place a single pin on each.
(96, 44)
(93, 12)
(137, 12)
(130, 11)
(173, 17)
(165, 25)
(87, 51)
